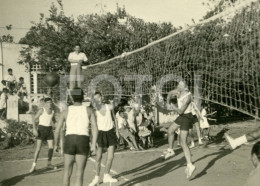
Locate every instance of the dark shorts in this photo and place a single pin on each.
(185, 121)
(45, 133)
(107, 138)
(76, 144)
(195, 119)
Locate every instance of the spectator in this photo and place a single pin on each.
(130, 116)
(10, 78)
(125, 132)
(21, 87)
(3, 85)
(3, 101)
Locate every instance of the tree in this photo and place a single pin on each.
(101, 36)
(7, 38)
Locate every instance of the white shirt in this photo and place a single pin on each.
(104, 118)
(10, 78)
(22, 88)
(3, 101)
(45, 119)
(77, 56)
(131, 119)
(77, 121)
(121, 122)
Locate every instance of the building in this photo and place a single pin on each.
(9, 57)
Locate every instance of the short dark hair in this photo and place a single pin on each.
(77, 94)
(256, 150)
(47, 99)
(5, 90)
(98, 93)
(77, 45)
(21, 78)
(9, 69)
(3, 81)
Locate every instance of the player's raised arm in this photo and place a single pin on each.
(94, 128)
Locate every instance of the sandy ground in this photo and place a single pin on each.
(216, 164)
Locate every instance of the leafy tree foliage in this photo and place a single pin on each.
(101, 36)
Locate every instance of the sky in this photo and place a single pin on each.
(20, 13)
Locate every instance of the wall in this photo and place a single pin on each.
(9, 56)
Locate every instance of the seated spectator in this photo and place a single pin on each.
(10, 79)
(149, 118)
(3, 102)
(3, 85)
(143, 131)
(254, 177)
(130, 117)
(125, 132)
(21, 87)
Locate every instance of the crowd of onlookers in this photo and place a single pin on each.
(10, 86)
(136, 125)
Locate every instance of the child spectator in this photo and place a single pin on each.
(10, 78)
(21, 87)
(254, 177)
(130, 116)
(3, 101)
(124, 131)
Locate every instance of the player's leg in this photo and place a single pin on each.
(36, 155)
(190, 167)
(68, 167)
(110, 157)
(50, 153)
(234, 143)
(73, 76)
(192, 144)
(81, 161)
(171, 131)
(79, 76)
(197, 126)
(99, 152)
(128, 142)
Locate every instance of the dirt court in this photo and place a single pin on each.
(216, 164)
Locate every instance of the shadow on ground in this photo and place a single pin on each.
(158, 168)
(17, 179)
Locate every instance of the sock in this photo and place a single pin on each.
(241, 140)
(34, 164)
(189, 164)
(50, 153)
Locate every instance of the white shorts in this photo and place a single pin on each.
(204, 124)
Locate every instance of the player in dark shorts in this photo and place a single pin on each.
(184, 121)
(44, 131)
(107, 137)
(76, 148)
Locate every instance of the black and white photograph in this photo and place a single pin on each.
(130, 92)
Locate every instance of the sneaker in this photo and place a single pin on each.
(192, 145)
(50, 166)
(32, 169)
(170, 153)
(230, 141)
(189, 171)
(108, 179)
(95, 181)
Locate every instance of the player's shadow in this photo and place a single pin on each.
(159, 168)
(156, 168)
(220, 154)
(17, 179)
